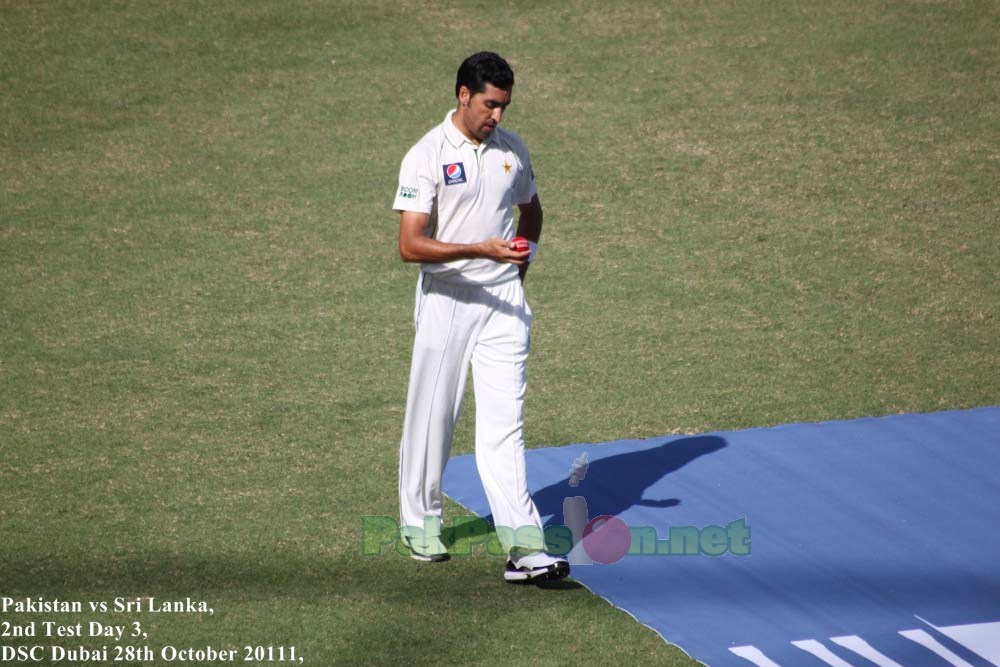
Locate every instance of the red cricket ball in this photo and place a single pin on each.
(520, 244)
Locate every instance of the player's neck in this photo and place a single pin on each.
(458, 120)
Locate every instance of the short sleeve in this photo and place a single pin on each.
(416, 188)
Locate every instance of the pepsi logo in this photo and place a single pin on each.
(454, 173)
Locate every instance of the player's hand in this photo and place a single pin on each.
(503, 251)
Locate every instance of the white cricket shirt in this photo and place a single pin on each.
(469, 191)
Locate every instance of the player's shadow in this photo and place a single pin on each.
(615, 483)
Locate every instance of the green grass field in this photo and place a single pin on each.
(756, 213)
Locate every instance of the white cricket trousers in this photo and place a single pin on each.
(458, 324)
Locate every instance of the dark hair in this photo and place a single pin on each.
(482, 68)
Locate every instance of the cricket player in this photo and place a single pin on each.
(458, 187)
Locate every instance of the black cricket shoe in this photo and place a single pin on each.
(432, 550)
(535, 568)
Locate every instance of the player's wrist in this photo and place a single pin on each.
(482, 250)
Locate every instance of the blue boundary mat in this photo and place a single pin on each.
(872, 541)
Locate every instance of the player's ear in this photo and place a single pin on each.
(464, 95)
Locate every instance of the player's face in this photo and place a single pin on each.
(482, 112)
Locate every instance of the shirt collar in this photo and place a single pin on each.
(456, 138)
